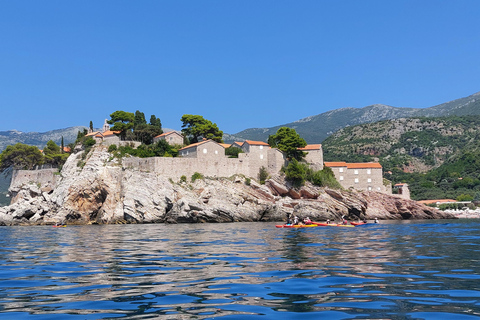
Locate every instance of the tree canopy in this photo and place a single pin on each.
(122, 121)
(288, 140)
(53, 154)
(196, 127)
(20, 156)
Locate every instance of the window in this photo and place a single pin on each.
(355, 172)
(204, 150)
(341, 178)
(369, 180)
(340, 170)
(261, 156)
(378, 188)
(261, 147)
(369, 171)
(356, 180)
(216, 151)
(369, 188)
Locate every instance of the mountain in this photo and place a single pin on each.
(436, 156)
(315, 129)
(39, 139)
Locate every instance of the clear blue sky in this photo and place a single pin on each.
(240, 64)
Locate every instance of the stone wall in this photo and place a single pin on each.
(42, 177)
(219, 166)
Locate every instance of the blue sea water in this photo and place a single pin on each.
(396, 270)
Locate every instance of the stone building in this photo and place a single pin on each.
(402, 190)
(172, 137)
(359, 176)
(314, 155)
(207, 149)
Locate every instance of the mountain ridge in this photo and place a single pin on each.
(315, 129)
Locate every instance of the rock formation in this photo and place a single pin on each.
(96, 188)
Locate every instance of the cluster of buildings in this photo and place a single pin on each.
(208, 157)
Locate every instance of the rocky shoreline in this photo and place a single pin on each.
(98, 189)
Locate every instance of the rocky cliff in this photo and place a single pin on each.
(96, 188)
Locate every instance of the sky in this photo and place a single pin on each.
(239, 63)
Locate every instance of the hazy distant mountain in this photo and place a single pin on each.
(39, 139)
(315, 129)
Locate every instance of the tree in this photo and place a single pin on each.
(122, 121)
(288, 140)
(196, 127)
(62, 147)
(146, 132)
(139, 119)
(20, 156)
(154, 121)
(295, 172)
(53, 154)
(91, 126)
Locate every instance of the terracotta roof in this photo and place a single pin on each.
(366, 165)
(166, 134)
(92, 133)
(256, 143)
(335, 164)
(399, 184)
(311, 147)
(110, 133)
(66, 149)
(199, 143)
(437, 201)
(225, 145)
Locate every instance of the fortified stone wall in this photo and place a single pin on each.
(45, 178)
(174, 168)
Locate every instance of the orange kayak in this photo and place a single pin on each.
(296, 225)
(332, 224)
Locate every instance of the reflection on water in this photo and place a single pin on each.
(416, 270)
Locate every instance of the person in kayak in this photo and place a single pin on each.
(289, 219)
(307, 220)
(376, 220)
(295, 220)
(328, 221)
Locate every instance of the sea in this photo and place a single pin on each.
(424, 269)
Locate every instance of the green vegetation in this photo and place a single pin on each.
(232, 152)
(122, 121)
(159, 149)
(262, 175)
(298, 172)
(54, 155)
(195, 128)
(438, 157)
(288, 141)
(196, 176)
(20, 156)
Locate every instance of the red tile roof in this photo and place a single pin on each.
(256, 143)
(311, 147)
(166, 134)
(335, 164)
(366, 165)
(199, 143)
(92, 133)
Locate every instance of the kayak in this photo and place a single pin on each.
(323, 224)
(358, 223)
(62, 226)
(296, 225)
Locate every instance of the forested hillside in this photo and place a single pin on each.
(437, 157)
(315, 129)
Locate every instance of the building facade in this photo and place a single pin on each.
(172, 138)
(359, 176)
